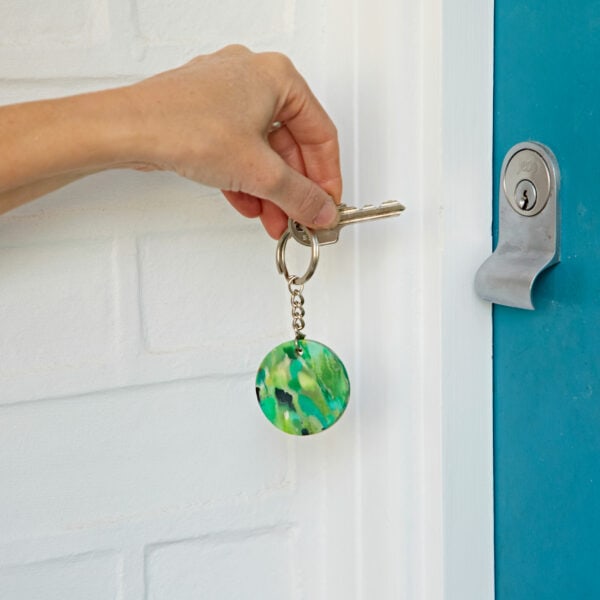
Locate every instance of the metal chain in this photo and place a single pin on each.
(298, 312)
(296, 282)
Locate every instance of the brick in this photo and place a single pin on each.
(215, 290)
(236, 566)
(56, 308)
(213, 21)
(91, 576)
(55, 22)
(79, 463)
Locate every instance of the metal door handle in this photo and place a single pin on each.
(529, 232)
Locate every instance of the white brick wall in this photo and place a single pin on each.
(93, 576)
(134, 309)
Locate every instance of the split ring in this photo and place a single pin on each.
(314, 254)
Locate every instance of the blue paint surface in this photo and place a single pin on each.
(547, 362)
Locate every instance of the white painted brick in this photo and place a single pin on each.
(67, 39)
(115, 38)
(81, 463)
(56, 307)
(54, 22)
(93, 576)
(211, 22)
(235, 566)
(159, 207)
(120, 203)
(147, 463)
(211, 289)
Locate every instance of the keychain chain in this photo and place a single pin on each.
(298, 312)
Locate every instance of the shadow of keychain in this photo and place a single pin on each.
(302, 385)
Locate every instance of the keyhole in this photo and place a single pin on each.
(525, 195)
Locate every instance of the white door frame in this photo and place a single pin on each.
(419, 76)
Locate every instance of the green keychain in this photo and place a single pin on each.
(302, 385)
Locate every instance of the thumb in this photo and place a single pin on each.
(299, 197)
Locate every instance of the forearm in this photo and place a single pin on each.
(15, 197)
(210, 120)
(50, 143)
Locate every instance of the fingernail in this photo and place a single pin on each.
(327, 216)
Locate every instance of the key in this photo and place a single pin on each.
(348, 214)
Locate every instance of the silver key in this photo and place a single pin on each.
(348, 214)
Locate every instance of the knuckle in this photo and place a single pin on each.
(310, 202)
(278, 62)
(235, 49)
(329, 142)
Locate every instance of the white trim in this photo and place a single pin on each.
(410, 87)
(458, 206)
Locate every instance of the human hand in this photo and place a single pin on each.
(211, 121)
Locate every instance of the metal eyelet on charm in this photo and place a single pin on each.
(302, 386)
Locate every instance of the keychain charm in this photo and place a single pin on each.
(302, 386)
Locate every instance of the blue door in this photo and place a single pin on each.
(547, 362)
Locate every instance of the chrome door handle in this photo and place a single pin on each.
(529, 232)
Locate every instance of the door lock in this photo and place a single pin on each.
(528, 232)
(526, 179)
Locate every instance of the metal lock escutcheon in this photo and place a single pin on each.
(527, 182)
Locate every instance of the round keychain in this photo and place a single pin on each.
(302, 385)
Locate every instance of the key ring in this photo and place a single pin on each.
(314, 254)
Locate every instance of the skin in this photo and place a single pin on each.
(210, 120)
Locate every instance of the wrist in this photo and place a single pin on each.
(108, 127)
(76, 134)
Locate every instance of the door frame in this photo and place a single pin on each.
(441, 158)
(458, 39)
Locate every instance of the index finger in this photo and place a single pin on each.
(316, 137)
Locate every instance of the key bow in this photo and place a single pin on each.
(348, 215)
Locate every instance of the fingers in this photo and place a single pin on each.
(321, 160)
(299, 197)
(232, 98)
(246, 205)
(282, 142)
(274, 220)
(284, 190)
(316, 138)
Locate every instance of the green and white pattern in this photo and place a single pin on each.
(302, 392)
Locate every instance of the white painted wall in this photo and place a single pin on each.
(134, 309)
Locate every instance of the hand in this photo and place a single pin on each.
(211, 121)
